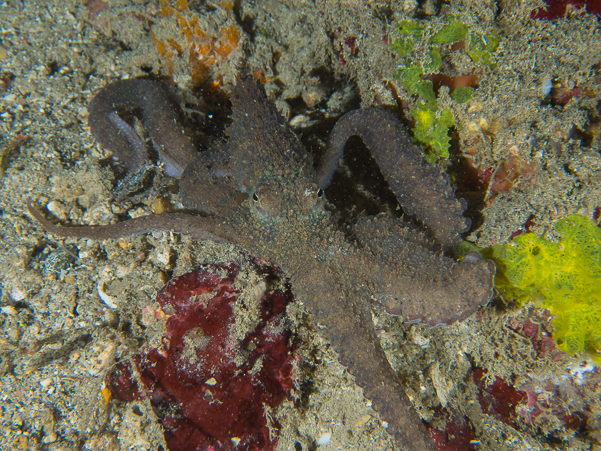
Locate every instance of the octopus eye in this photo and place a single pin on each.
(268, 201)
(308, 197)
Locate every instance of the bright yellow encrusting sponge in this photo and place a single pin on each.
(564, 277)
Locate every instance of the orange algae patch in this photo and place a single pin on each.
(453, 81)
(204, 48)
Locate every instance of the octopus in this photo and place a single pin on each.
(260, 191)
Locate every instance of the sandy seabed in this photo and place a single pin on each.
(59, 338)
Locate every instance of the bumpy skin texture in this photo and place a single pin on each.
(284, 220)
(419, 187)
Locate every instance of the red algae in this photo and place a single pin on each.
(556, 9)
(209, 382)
(507, 175)
(458, 434)
(499, 399)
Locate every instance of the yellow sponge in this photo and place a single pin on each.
(564, 277)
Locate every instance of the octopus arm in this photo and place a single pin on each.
(347, 324)
(452, 295)
(409, 278)
(419, 187)
(159, 119)
(197, 227)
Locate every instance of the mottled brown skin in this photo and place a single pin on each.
(419, 188)
(151, 100)
(284, 220)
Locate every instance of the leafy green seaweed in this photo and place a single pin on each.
(462, 94)
(431, 124)
(453, 31)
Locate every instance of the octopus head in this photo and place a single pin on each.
(273, 201)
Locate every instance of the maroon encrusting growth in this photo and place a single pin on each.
(556, 9)
(209, 386)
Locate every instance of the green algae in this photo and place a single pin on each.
(432, 122)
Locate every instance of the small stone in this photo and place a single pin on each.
(17, 294)
(324, 439)
(51, 438)
(160, 205)
(57, 209)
